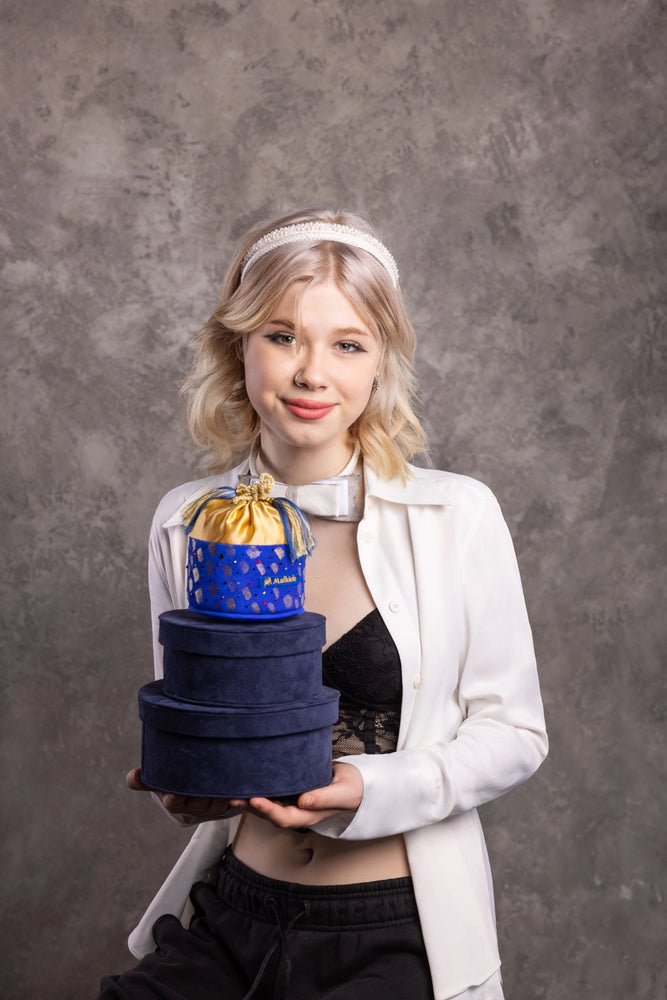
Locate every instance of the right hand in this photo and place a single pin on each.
(185, 809)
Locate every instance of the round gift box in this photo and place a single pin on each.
(244, 581)
(209, 659)
(206, 750)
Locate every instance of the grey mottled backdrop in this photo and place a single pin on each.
(514, 155)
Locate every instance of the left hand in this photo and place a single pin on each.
(186, 810)
(344, 794)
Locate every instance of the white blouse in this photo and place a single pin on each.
(440, 565)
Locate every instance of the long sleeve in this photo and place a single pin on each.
(160, 591)
(480, 732)
(167, 546)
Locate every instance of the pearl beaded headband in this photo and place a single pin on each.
(318, 232)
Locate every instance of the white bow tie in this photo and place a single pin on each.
(334, 497)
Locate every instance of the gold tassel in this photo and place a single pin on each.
(209, 513)
(298, 534)
(191, 510)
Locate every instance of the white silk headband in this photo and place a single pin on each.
(317, 232)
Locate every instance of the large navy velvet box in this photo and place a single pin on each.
(241, 710)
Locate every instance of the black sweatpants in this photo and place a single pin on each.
(253, 936)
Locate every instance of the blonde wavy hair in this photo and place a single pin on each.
(220, 415)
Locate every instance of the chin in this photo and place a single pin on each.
(310, 438)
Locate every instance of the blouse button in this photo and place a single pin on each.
(367, 536)
(417, 682)
(394, 606)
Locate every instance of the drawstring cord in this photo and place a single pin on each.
(285, 960)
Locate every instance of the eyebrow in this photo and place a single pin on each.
(346, 331)
(353, 331)
(280, 322)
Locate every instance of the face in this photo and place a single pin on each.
(309, 372)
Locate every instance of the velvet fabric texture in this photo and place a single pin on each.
(237, 767)
(235, 721)
(241, 710)
(263, 662)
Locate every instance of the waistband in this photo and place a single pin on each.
(342, 907)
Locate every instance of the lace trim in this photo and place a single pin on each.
(365, 667)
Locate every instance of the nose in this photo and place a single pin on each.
(311, 370)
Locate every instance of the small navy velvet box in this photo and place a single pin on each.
(241, 710)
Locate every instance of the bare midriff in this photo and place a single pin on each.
(311, 859)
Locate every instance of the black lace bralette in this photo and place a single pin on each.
(365, 667)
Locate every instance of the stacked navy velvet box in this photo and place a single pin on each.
(241, 710)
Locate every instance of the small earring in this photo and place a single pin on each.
(376, 384)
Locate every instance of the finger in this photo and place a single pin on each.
(247, 805)
(344, 792)
(207, 807)
(133, 780)
(325, 798)
(194, 806)
(277, 814)
(175, 803)
(287, 817)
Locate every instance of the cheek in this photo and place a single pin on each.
(363, 392)
(266, 377)
(251, 390)
(254, 381)
(257, 369)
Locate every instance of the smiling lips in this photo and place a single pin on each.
(308, 409)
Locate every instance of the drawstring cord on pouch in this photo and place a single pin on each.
(284, 961)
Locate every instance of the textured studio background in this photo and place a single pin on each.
(513, 153)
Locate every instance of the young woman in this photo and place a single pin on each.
(377, 885)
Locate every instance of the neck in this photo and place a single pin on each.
(297, 466)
